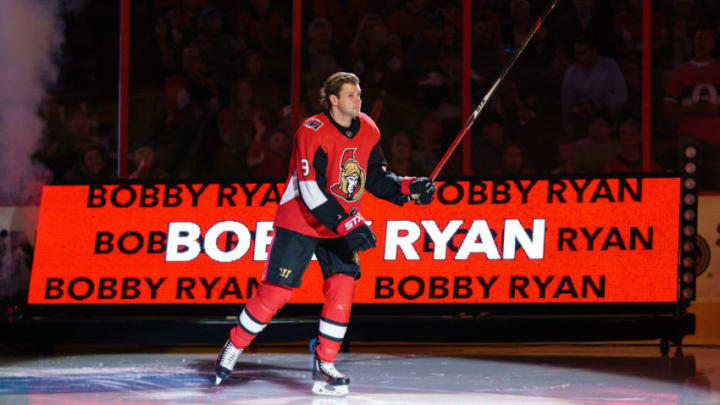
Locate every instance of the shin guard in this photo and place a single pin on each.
(258, 311)
(339, 292)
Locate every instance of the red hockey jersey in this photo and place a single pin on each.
(331, 167)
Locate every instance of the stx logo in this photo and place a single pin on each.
(353, 222)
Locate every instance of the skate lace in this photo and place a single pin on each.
(329, 369)
(229, 356)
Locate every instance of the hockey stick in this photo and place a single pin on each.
(490, 92)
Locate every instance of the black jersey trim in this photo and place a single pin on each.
(348, 132)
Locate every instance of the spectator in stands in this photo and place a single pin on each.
(632, 72)
(92, 165)
(16, 255)
(486, 53)
(589, 19)
(56, 149)
(628, 27)
(269, 155)
(192, 93)
(519, 24)
(516, 111)
(265, 24)
(487, 148)
(184, 18)
(442, 86)
(428, 144)
(423, 55)
(598, 148)
(243, 41)
(237, 130)
(343, 15)
(400, 159)
(681, 43)
(567, 157)
(165, 50)
(82, 128)
(319, 54)
(191, 98)
(592, 83)
(691, 11)
(217, 49)
(266, 92)
(692, 105)
(374, 57)
(512, 161)
(629, 159)
(143, 161)
(407, 21)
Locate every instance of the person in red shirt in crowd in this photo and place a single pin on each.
(237, 130)
(263, 23)
(191, 93)
(183, 16)
(267, 94)
(407, 22)
(692, 105)
(269, 154)
(372, 53)
(629, 158)
(336, 158)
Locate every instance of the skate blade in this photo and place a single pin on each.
(322, 388)
(218, 380)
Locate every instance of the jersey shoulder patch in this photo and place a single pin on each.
(314, 124)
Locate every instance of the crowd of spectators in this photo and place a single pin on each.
(210, 86)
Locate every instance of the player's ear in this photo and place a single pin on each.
(333, 99)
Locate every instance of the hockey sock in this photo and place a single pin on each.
(339, 292)
(258, 311)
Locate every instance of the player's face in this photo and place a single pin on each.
(348, 101)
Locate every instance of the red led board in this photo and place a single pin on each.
(545, 240)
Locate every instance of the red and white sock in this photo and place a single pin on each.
(258, 311)
(339, 292)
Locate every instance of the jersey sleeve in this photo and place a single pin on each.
(382, 183)
(312, 163)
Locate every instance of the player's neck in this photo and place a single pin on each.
(340, 118)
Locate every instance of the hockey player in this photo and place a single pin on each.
(336, 157)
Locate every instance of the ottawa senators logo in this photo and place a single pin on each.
(352, 177)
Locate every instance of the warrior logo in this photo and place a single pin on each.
(352, 177)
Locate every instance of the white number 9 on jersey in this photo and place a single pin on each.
(305, 165)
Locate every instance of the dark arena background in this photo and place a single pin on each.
(569, 255)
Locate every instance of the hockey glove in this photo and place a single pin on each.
(356, 232)
(421, 189)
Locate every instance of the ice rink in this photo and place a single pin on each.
(399, 374)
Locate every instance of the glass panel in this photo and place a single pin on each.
(560, 108)
(209, 79)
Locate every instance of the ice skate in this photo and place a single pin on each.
(328, 380)
(226, 362)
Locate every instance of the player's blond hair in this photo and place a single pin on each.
(333, 84)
